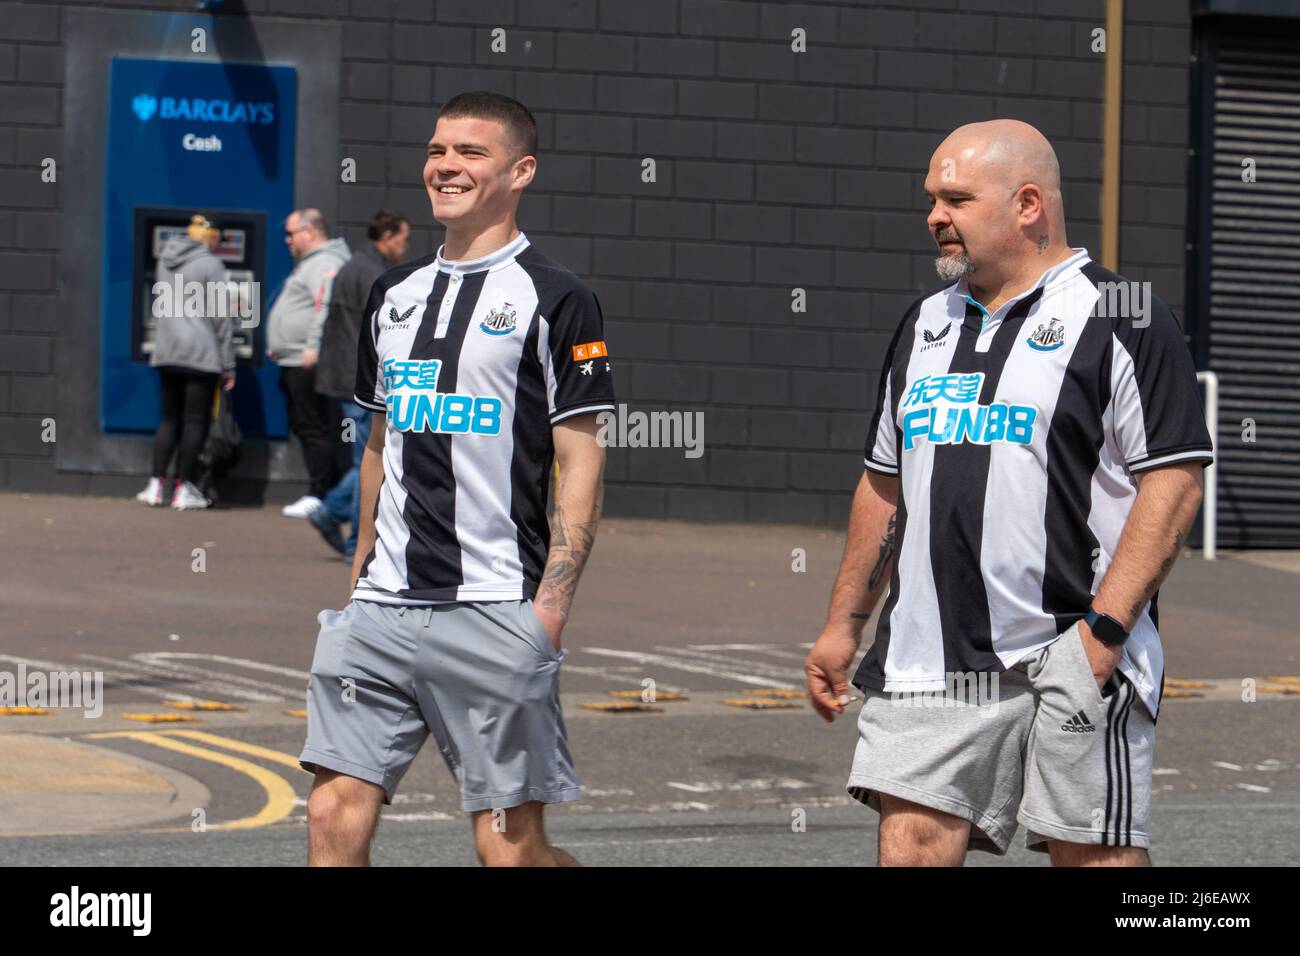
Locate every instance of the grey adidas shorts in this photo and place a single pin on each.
(483, 677)
(1055, 753)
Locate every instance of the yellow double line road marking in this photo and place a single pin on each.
(280, 797)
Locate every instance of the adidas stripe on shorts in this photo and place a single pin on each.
(1044, 748)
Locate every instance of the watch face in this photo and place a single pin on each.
(1108, 630)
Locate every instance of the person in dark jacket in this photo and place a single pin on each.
(336, 373)
(192, 349)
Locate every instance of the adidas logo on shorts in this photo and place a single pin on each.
(1078, 724)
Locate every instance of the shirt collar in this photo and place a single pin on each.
(492, 260)
(1075, 261)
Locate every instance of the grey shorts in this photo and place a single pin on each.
(1043, 747)
(483, 677)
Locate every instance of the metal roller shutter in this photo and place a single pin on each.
(1252, 270)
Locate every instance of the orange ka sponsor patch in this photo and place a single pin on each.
(589, 350)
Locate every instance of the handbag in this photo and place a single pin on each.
(220, 452)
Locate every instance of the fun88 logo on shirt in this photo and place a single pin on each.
(415, 404)
(944, 412)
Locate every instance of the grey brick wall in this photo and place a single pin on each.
(775, 170)
(1153, 201)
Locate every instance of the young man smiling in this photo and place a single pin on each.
(1032, 469)
(476, 363)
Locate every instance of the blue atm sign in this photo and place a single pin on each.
(187, 137)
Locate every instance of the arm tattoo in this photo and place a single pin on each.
(882, 558)
(1136, 608)
(571, 543)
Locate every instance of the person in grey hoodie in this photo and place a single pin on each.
(192, 350)
(293, 336)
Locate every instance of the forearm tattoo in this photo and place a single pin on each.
(883, 557)
(1154, 583)
(571, 543)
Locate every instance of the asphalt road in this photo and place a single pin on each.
(709, 612)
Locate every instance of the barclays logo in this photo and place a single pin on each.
(144, 106)
(202, 110)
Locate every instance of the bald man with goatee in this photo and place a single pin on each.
(1032, 470)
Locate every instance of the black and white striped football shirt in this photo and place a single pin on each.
(472, 362)
(1015, 438)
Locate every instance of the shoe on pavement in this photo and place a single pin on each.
(303, 507)
(152, 494)
(188, 498)
(328, 526)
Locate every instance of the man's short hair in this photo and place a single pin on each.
(521, 127)
(383, 223)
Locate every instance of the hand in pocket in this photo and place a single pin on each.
(1103, 658)
(552, 623)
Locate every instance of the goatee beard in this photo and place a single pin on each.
(952, 268)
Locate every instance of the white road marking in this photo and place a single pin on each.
(612, 675)
(34, 662)
(758, 667)
(162, 659)
(1254, 788)
(730, 647)
(1224, 765)
(139, 682)
(304, 676)
(691, 667)
(771, 650)
(174, 673)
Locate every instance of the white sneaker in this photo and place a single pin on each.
(188, 498)
(303, 507)
(152, 494)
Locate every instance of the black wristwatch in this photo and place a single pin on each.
(1105, 628)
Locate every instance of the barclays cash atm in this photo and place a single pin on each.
(187, 137)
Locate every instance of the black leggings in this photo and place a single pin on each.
(186, 416)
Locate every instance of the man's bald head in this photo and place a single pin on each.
(1008, 151)
(996, 189)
